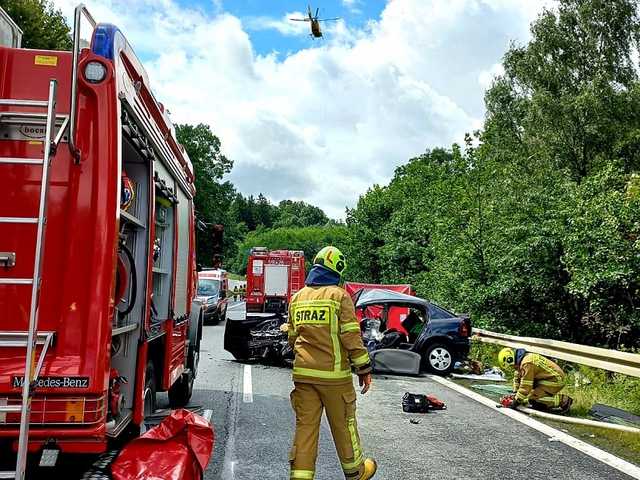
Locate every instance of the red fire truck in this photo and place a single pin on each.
(272, 278)
(97, 262)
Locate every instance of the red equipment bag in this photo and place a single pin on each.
(177, 449)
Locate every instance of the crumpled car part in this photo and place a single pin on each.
(269, 342)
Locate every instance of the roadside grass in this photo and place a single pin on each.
(587, 386)
(235, 276)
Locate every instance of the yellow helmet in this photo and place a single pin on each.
(332, 259)
(507, 358)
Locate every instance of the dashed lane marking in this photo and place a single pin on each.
(207, 414)
(247, 396)
(594, 452)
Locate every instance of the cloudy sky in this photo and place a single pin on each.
(321, 120)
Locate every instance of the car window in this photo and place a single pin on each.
(438, 313)
(208, 287)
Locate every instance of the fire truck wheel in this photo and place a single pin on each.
(149, 391)
(180, 392)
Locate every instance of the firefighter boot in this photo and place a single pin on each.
(565, 404)
(370, 468)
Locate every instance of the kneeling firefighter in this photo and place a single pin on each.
(537, 381)
(325, 334)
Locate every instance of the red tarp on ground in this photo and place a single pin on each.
(396, 314)
(177, 449)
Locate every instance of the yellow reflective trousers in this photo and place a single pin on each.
(325, 335)
(539, 380)
(339, 403)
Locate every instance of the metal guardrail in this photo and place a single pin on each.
(611, 360)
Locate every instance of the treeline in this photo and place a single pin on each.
(533, 226)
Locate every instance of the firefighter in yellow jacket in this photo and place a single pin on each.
(537, 381)
(325, 335)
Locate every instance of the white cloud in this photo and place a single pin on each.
(352, 5)
(486, 77)
(325, 123)
(284, 25)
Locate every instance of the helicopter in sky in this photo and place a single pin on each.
(316, 32)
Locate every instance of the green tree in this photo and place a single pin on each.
(533, 227)
(43, 26)
(213, 197)
(299, 214)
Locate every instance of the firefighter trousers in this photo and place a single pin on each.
(339, 402)
(546, 394)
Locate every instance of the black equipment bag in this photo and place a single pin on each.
(415, 403)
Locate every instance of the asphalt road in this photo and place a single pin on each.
(467, 441)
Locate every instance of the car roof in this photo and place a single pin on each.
(380, 296)
(212, 273)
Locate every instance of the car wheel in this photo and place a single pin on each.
(181, 391)
(438, 359)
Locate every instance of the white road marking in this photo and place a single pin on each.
(555, 435)
(207, 415)
(247, 396)
(229, 462)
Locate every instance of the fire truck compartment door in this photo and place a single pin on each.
(276, 280)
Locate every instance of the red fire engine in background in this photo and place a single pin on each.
(97, 262)
(273, 277)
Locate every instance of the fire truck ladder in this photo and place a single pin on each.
(31, 339)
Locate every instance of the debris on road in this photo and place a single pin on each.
(436, 403)
(419, 403)
(415, 403)
(469, 367)
(415, 421)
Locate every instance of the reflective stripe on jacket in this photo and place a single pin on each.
(536, 371)
(325, 335)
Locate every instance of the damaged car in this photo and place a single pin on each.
(426, 337)
(258, 336)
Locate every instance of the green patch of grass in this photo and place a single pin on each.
(621, 444)
(589, 386)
